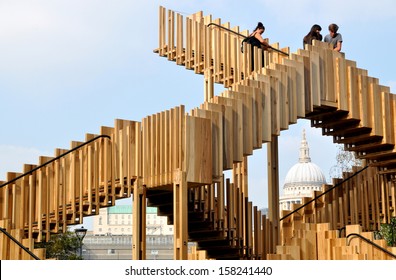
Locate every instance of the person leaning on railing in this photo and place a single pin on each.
(256, 40)
(314, 34)
(333, 37)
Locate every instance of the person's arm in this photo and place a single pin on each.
(339, 43)
(338, 47)
(262, 41)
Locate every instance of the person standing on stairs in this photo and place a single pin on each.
(255, 39)
(334, 38)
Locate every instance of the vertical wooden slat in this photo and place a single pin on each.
(180, 215)
(179, 40)
(171, 35)
(162, 31)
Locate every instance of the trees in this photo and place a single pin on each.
(345, 161)
(388, 232)
(62, 246)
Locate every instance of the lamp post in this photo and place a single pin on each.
(80, 233)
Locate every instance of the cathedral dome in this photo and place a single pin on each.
(302, 180)
(304, 173)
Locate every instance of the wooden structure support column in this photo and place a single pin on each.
(273, 189)
(180, 213)
(139, 221)
(208, 85)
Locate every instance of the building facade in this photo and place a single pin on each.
(302, 179)
(111, 237)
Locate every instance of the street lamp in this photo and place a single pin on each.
(80, 233)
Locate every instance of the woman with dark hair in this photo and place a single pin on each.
(314, 34)
(255, 38)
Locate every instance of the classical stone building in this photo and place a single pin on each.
(302, 179)
(111, 237)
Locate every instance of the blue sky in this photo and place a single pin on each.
(68, 67)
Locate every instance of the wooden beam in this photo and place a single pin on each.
(273, 188)
(139, 221)
(180, 213)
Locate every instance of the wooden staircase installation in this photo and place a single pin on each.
(175, 160)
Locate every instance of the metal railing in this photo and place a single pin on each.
(35, 169)
(19, 244)
(241, 35)
(322, 194)
(370, 242)
(54, 159)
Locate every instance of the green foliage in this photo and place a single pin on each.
(388, 232)
(62, 246)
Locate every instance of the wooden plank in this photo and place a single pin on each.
(291, 92)
(388, 128)
(340, 81)
(198, 143)
(303, 56)
(298, 85)
(225, 58)
(363, 100)
(161, 146)
(253, 113)
(181, 135)
(288, 75)
(323, 245)
(265, 89)
(315, 78)
(249, 229)
(279, 97)
(216, 138)
(246, 127)
(329, 76)
(258, 117)
(180, 213)
(139, 221)
(171, 35)
(179, 40)
(322, 70)
(375, 107)
(275, 106)
(146, 151)
(157, 149)
(226, 129)
(257, 234)
(162, 31)
(189, 43)
(352, 91)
